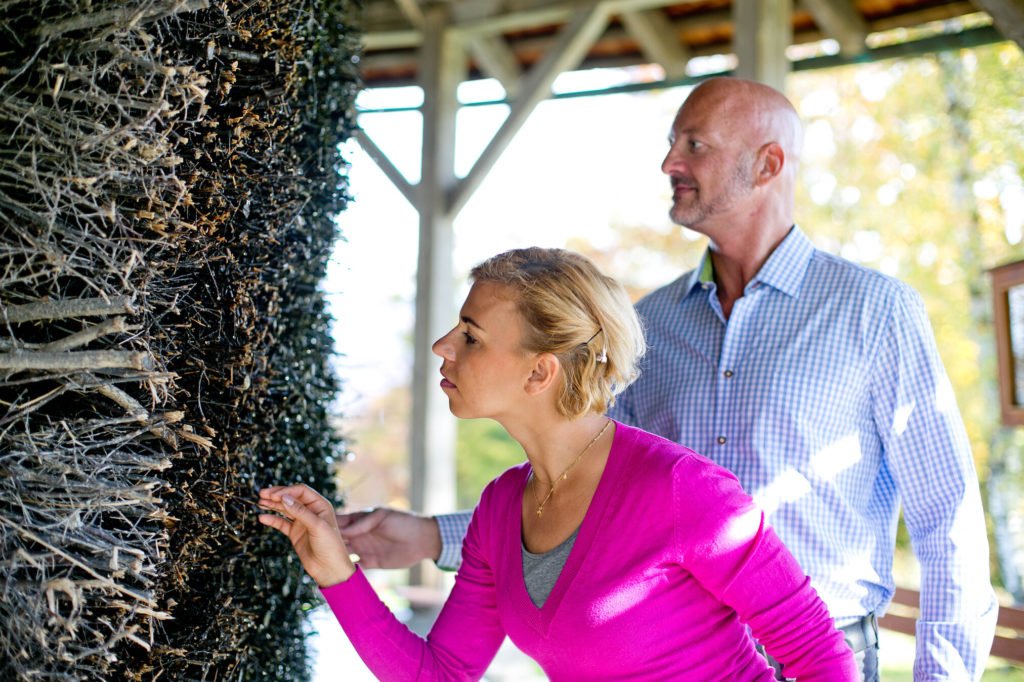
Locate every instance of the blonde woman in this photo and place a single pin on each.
(611, 553)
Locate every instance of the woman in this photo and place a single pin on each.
(611, 553)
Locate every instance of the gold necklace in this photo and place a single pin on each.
(565, 474)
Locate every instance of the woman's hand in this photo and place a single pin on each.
(310, 523)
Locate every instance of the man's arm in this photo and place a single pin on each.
(389, 538)
(929, 455)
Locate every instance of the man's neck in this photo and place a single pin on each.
(737, 261)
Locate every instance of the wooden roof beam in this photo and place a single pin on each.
(496, 59)
(554, 13)
(568, 50)
(840, 20)
(389, 169)
(1008, 17)
(658, 39)
(412, 11)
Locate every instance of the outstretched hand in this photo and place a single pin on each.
(389, 538)
(309, 522)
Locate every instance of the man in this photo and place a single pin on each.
(815, 380)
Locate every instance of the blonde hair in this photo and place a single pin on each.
(581, 316)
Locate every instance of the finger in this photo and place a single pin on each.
(301, 513)
(348, 518)
(362, 522)
(306, 496)
(276, 522)
(271, 505)
(303, 494)
(362, 554)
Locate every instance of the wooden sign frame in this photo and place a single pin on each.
(1008, 317)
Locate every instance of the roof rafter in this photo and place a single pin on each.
(1008, 17)
(572, 44)
(658, 39)
(496, 59)
(841, 21)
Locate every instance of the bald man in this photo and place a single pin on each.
(815, 380)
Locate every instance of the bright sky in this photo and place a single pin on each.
(576, 167)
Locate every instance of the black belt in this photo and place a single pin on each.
(862, 634)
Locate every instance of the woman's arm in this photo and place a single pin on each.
(466, 635)
(728, 546)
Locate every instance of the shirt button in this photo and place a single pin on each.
(721, 440)
(728, 374)
(706, 286)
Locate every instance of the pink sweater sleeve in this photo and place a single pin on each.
(727, 545)
(461, 644)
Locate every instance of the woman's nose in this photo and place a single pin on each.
(443, 347)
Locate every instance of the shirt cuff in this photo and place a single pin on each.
(453, 532)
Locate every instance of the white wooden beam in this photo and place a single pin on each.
(432, 428)
(389, 169)
(1008, 17)
(392, 40)
(496, 60)
(762, 30)
(540, 15)
(554, 13)
(658, 40)
(412, 11)
(567, 51)
(840, 20)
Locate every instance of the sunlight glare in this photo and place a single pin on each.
(789, 486)
(836, 457)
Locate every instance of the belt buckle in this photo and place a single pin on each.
(862, 634)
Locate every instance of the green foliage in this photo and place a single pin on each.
(885, 185)
(483, 450)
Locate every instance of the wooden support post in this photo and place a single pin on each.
(762, 30)
(432, 438)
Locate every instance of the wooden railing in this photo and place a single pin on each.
(1009, 641)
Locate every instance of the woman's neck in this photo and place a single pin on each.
(552, 444)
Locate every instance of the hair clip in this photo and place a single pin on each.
(603, 357)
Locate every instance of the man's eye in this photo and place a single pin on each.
(694, 145)
(469, 338)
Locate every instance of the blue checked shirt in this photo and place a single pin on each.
(825, 394)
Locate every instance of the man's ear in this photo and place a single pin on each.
(771, 160)
(544, 373)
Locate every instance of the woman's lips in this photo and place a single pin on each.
(446, 384)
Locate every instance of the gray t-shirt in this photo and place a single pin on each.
(542, 570)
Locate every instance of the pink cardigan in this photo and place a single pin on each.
(671, 564)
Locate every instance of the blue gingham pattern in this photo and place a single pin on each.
(825, 394)
(453, 529)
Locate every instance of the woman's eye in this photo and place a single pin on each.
(469, 338)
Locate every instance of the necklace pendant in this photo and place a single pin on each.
(540, 512)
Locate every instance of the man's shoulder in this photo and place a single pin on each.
(836, 275)
(667, 295)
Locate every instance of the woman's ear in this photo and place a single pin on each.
(544, 373)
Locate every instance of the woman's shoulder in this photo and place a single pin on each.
(650, 449)
(660, 456)
(508, 484)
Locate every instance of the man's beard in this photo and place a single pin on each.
(741, 184)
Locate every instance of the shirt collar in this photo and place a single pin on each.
(784, 270)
